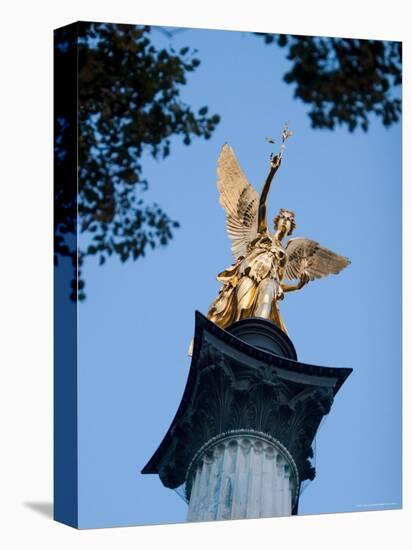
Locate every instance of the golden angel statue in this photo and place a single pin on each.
(255, 283)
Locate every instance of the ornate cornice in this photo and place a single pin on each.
(233, 385)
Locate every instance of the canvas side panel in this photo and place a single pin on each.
(65, 278)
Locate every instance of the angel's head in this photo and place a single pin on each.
(285, 221)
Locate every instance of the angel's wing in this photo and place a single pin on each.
(239, 199)
(304, 255)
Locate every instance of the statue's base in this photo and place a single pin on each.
(263, 334)
(246, 378)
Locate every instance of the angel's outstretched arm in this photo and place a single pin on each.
(304, 279)
(262, 221)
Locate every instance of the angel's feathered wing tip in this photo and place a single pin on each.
(226, 152)
(344, 262)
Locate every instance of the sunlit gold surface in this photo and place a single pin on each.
(254, 284)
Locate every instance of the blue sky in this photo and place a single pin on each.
(138, 319)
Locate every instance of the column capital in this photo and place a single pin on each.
(233, 385)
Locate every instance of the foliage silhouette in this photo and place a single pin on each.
(343, 80)
(129, 104)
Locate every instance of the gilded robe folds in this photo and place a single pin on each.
(250, 288)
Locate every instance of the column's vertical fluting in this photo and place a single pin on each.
(242, 474)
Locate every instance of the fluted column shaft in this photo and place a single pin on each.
(241, 475)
